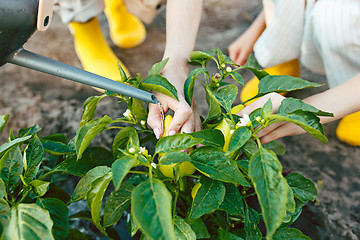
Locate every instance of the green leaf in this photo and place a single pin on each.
(3, 121)
(182, 230)
(190, 84)
(28, 221)
(57, 137)
(156, 82)
(276, 147)
(117, 202)
(29, 131)
(74, 234)
(252, 219)
(158, 67)
(211, 137)
(254, 66)
(214, 163)
(57, 192)
(225, 235)
(304, 189)
(200, 58)
(226, 96)
(306, 120)
(95, 195)
(11, 165)
(39, 188)
(122, 138)
(290, 105)
(88, 132)
(151, 208)
(250, 148)
(122, 73)
(271, 188)
(121, 168)
(282, 83)
(199, 227)
(2, 189)
(84, 184)
(91, 158)
(289, 234)
(137, 108)
(214, 106)
(12, 143)
(4, 214)
(174, 158)
(238, 78)
(56, 148)
(34, 154)
(59, 214)
(208, 198)
(89, 108)
(267, 108)
(239, 138)
(176, 142)
(233, 203)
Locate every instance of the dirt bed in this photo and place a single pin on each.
(56, 104)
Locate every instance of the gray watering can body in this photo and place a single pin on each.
(18, 21)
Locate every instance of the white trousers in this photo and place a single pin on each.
(323, 34)
(78, 10)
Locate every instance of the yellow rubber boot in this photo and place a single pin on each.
(291, 68)
(93, 51)
(126, 30)
(348, 129)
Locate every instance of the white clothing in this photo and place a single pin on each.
(323, 34)
(78, 10)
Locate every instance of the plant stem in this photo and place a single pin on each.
(175, 200)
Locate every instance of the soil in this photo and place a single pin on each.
(55, 104)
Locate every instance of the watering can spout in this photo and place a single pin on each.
(19, 20)
(43, 64)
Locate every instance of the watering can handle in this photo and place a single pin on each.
(43, 64)
(45, 12)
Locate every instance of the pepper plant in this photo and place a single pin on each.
(240, 191)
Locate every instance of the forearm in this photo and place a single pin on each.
(182, 23)
(258, 26)
(341, 100)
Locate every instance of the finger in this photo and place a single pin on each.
(288, 129)
(155, 119)
(269, 129)
(182, 113)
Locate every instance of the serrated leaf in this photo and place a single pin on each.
(89, 108)
(158, 83)
(158, 67)
(190, 83)
(303, 188)
(117, 202)
(182, 230)
(265, 171)
(208, 197)
(121, 168)
(151, 208)
(215, 164)
(28, 221)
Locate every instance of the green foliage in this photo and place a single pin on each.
(241, 183)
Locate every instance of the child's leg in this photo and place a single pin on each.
(336, 35)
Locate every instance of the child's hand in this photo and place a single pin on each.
(276, 130)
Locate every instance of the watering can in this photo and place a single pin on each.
(19, 19)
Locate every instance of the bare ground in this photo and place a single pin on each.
(56, 104)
